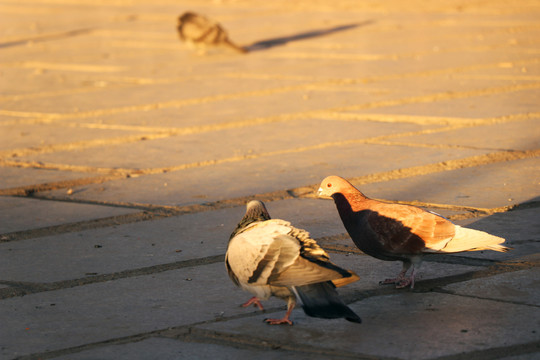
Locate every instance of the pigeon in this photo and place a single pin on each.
(389, 231)
(199, 31)
(269, 257)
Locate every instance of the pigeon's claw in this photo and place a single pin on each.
(284, 321)
(389, 281)
(403, 283)
(255, 302)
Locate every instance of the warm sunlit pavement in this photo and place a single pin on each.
(126, 159)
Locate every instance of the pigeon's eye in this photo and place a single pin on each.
(329, 185)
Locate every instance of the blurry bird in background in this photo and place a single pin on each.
(200, 32)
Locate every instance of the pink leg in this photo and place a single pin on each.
(255, 302)
(407, 281)
(400, 278)
(285, 319)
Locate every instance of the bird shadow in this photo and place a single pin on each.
(279, 41)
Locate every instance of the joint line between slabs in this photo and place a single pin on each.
(453, 293)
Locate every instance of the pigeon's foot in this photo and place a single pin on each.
(284, 321)
(399, 279)
(403, 283)
(389, 281)
(255, 302)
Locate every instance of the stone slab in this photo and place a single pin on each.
(519, 287)
(265, 174)
(405, 326)
(476, 107)
(86, 314)
(487, 186)
(112, 97)
(150, 243)
(13, 177)
(169, 349)
(19, 214)
(520, 228)
(34, 136)
(123, 247)
(246, 141)
(505, 136)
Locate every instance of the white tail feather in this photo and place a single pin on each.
(473, 240)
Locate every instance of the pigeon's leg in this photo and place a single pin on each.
(410, 280)
(255, 302)
(285, 320)
(400, 277)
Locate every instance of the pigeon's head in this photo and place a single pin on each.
(255, 209)
(333, 185)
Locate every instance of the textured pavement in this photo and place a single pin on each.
(126, 159)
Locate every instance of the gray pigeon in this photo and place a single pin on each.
(199, 31)
(269, 257)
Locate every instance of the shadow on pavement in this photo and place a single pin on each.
(269, 43)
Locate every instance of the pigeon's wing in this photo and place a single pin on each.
(258, 252)
(409, 229)
(268, 253)
(312, 266)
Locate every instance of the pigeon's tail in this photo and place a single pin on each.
(321, 300)
(474, 240)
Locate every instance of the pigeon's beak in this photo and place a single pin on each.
(322, 195)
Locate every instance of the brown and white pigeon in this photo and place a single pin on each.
(269, 257)
(199, 31)
(392, 232)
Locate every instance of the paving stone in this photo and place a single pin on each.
(37, 135)
(406, 326)
(24, 214)
(496, 136)
(486, 186)
(161, 348)
(150, 243)
(19, 177)
(114, 249)
(193, 148)
(98, 312)
(264, 174)
(518, 227)
(520, 287)
(487, 106)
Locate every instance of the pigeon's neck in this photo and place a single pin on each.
(252, 215)
(355, 201)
